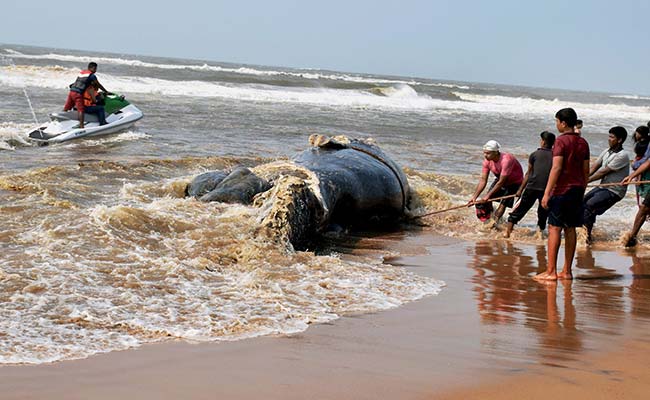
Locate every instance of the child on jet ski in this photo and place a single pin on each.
(93, 102)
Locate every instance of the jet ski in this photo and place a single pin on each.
(64, 126)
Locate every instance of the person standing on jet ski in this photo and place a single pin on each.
(93, 102)
(77, 89)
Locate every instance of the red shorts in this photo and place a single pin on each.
(76, 99)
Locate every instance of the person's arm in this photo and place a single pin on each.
(497, 186)
(596, 166)
(479, 188)
(618, 162)
(554, 175)
(102, 87)
(643, 168)
(598, 175)
(525, 181)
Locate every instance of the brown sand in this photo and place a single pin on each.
(492, 333)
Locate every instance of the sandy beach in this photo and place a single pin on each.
(492, 333)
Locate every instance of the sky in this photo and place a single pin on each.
(585, 45)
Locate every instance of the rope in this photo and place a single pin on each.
(464, 206)
(24, 87)
(513, 195)
(620, 184)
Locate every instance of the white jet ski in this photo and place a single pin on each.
(64, 126)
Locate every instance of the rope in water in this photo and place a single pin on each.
(513, 195)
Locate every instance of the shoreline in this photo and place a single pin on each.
(491, 325)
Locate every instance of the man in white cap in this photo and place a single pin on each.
(509, 176)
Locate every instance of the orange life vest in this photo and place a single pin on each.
(89, 96)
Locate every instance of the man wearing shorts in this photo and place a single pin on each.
(563, 194)
(509, 176)
(78, 87)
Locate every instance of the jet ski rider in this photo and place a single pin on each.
(77, 89)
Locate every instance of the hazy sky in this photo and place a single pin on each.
(585, 45)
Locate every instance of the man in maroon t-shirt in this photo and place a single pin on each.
(564, 193)
(509, 176)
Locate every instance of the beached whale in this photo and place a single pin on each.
(337, 181)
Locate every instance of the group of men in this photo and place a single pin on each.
(557, 176)
(84, 95)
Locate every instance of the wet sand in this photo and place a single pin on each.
(492, 333)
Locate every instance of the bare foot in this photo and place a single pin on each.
(545, 276)
(629, 241)
(565, 275)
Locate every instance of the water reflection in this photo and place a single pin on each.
(639, 289)
(555, 322)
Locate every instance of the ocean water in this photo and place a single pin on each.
(101, 251)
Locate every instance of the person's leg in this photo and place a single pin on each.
(639, 219)
(596, 202)
(509, 190)
(564, 211)
(570, 240)
(520, 209)
(542, 215)
(553, 248)
(589, 215)
(69, 102)
(101, 114)
(79, 103)
(499, 212)
(571, 213)
(99, 111)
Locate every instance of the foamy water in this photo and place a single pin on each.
(401, 96)
(84, 273)
(101, 252)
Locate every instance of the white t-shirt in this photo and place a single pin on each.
(619, 163)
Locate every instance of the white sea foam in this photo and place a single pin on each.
(526, 105)
(629, 97)
(307, 74)
(12, 134)
(402, 97)
(398, 97)
(126, 136)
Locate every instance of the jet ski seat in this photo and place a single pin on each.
(72, 115)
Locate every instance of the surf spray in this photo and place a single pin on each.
(7, 60)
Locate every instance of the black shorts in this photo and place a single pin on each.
(505, 191)
(566, 210)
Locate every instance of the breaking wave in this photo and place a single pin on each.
(398, 97)
(303, 74)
